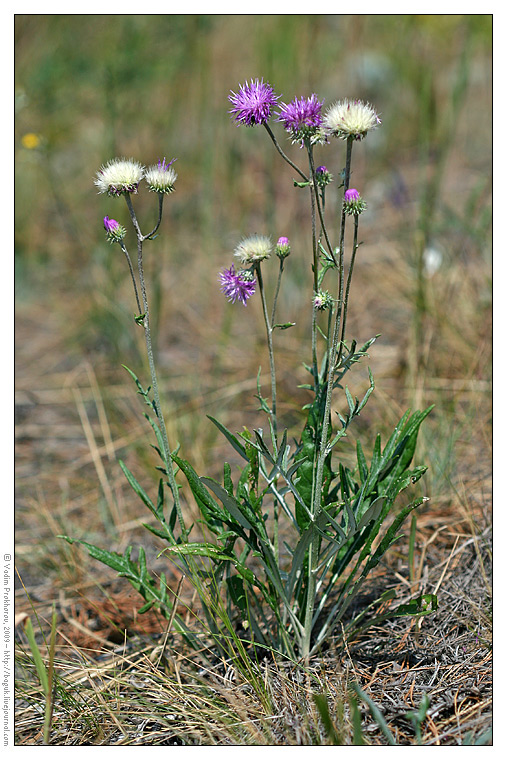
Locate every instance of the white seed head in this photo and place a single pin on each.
(119, 176)
(253, 249)
(350, 118)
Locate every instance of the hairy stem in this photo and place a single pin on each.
(129, 262)
(315, 267)
(347, 289)
(269, 334)
(160, 205)
(151, 362)
(285, 158)
(277, 291)
(319, 475)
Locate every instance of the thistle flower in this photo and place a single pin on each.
(350, 118)
(282, 248)
(119, 176)
(237, 287)
(322, 300)
(352, 202)
(253, 103)
(252, 250)
(301, 117)
(323, 176)
(114, 232)
(161, 178)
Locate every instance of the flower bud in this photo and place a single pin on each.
(114, 232)
(282, 249)
(352, 202)
(322, 300)
(322, 176)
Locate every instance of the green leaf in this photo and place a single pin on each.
(146, 607)
(329, 727)
(376, 714)
(139, 489)
(111, 559)
(233, 440)
(200, 550)
(210, 509)
(372, 513)
(37, 658)
(390, 537)
(361, 463)
(423, 605)
(237, 592)
(284, 326)
(228, 484)
(230, 503)
(350, 401)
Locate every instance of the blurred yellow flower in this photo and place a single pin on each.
(30, 141)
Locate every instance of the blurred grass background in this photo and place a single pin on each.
(89, 88)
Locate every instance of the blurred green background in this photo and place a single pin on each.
(89, 88)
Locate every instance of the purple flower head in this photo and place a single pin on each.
(110, 225)
(351, 195)
(301, 117)
(323, 176)
(352, 202)
(253, 103)
(282, 247)
(114, 232)
(237, 287)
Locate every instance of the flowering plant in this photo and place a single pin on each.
(289, 546)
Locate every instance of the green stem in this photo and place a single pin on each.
(269, 334)
(124, 249)
(316, 507)
(320, 203)
(315, 265)
(151, 362)
(285, 158)
(160, 205)
(277, 291)
(347, 289)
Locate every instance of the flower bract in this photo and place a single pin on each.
(253, 103)
(119, 176)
